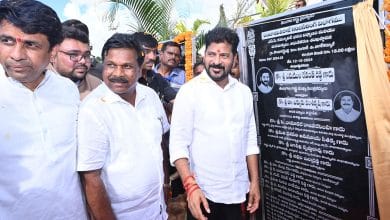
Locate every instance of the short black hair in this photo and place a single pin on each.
(121, 40)
(170, 44)
(221, 35)
(74, 33)
(77, 24)
(32, 17)
(145, 39)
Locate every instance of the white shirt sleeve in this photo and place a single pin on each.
(93, 143)
(181, 125)
(253, 148)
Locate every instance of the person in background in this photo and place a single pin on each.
(96, 67)
(120, 127)
(76, 24)
(72, 58)
(38, 119)
(170, 56)
(300, 3)
(198, 68)
(166, 93)
(235, 72)
(217, 172)
(150, 78)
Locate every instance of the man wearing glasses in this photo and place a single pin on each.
(72, 58)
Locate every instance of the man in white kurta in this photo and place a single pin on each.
(213, 141)
(38, 177)
(216, 132)
(124, 141)
(38, 119)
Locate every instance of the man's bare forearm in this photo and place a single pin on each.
(96, 195)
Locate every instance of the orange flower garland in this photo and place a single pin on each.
(386, 51)
(186, 37)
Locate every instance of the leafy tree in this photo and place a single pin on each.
(242, 12)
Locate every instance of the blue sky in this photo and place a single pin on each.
(58, 6)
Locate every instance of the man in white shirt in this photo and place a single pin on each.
(38, 115)
(213, 136)
(347, 113)
(121, 124)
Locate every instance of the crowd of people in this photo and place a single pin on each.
(74, 146)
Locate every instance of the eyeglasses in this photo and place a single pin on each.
(75, 57)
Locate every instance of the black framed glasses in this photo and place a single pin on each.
(76, 57)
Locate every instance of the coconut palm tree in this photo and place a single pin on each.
(181, 26)
(222, 22)
(151, 16)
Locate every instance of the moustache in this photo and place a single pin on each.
(17, 63)
(216, 66)
(115, 79)
(80, 66)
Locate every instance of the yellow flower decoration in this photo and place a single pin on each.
(386, 51)
(186, 37)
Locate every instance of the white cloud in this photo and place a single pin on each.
(92, 13)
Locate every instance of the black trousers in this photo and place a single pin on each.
(220, 211)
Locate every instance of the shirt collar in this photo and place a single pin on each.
(205, 78)
(175, 71)
(110, 97)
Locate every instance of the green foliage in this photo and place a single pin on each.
(151, 16)
(181, 26)
(200, 41)
(199, 35)
(273, 7)
(197, 24)
(241, 14)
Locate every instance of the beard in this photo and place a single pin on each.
(78, 73)
(265, 83)
(224, 74)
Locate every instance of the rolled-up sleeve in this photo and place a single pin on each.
(93, 144)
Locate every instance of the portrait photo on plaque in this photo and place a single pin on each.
(265, 80)
(347, 106)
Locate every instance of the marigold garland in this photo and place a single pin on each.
(386, 51)
(186, 37)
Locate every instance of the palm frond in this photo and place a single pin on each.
(197, 24)
(150, 16)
